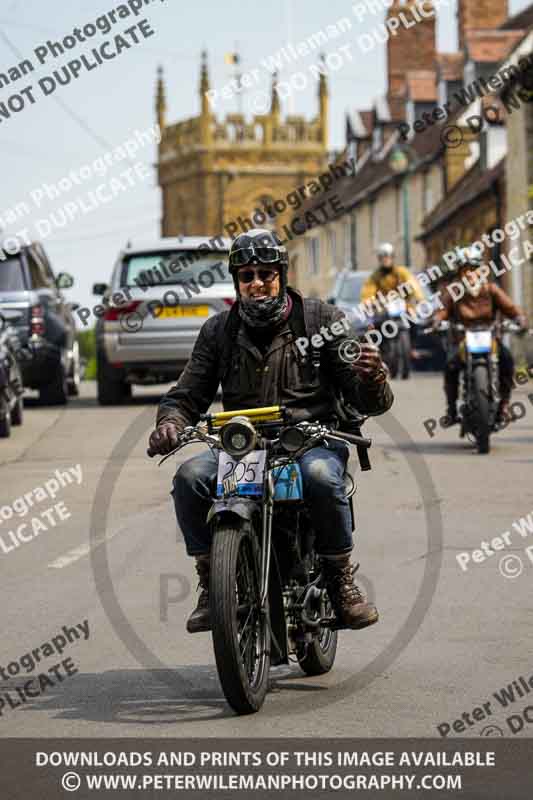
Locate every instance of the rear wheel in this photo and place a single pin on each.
(241, 638)
(5, 420)
(55, 393)
(17, 412)
(481, 407)
(111, 386)
(317, 657)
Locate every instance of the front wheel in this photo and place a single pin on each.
(241, 638)
(481, 407)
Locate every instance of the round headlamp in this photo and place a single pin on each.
(238, 437)
(292, 439)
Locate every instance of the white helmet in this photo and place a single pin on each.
(385, 249)
(470, 256)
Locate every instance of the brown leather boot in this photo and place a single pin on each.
(349, 604)
(199, 621)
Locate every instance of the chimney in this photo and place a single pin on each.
(480, 15)
(413, 47)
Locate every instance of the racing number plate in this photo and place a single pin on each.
(245, 477)
(396, 307)
(478, 341)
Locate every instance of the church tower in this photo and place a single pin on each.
(214, 171)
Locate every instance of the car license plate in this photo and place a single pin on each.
(243, 477)
(183, 311)
(479, 341)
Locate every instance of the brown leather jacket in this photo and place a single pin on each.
(481, 309)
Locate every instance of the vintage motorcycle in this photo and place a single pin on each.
(268, 600)
(478, 351)
(11, 387)
(395, 349)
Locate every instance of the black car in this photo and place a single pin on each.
(11, 389)
(46, 327)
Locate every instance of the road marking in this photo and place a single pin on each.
(80, 552)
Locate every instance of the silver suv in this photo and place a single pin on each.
(160, 295)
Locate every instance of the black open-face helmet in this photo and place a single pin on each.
(258, 246)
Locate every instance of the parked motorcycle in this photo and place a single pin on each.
(478, 351)
(11, 388)
(268, 600)
(396, 348)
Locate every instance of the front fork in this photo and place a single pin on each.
(266, 536)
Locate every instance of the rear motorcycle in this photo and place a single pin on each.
(478, 351)
(268, 601)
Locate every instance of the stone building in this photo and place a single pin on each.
(519, 164)
(214, 173)
(447, 195)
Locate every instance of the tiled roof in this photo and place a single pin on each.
(367, 118)
(491, 46)
(473, 184)
(422, 86)
(521, 21)
(450, 66)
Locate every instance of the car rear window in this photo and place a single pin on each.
(168, 268)
(351, 288)
(11, 275)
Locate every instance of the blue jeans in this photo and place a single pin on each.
(323, 472)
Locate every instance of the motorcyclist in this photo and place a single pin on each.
(266, 368)
(388, 276)
(479, 305)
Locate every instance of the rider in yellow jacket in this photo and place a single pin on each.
(387, 277)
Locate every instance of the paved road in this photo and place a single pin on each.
(139, 673)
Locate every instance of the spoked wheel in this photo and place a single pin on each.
(317, 657)
(241, 638)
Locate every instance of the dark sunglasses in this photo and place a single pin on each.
(266, 255)
(264, 275)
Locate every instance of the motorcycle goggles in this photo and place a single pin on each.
(266, 255)
(265, 275)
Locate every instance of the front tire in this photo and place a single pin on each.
(74, 378)
(404, 349)
(112, 389)
(481, 407)
(55, 393)
(241, 638)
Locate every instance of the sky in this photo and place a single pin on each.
(99, 111)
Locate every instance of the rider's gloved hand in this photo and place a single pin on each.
(164, 438)
(522, 321)
(369, 365)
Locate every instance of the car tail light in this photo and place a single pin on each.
(112, 314)
(229, 301)
(37, 321)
